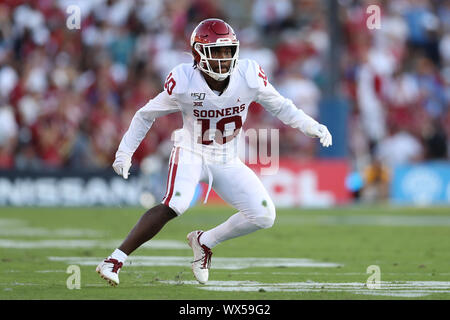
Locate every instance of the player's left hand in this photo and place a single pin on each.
(320, 131)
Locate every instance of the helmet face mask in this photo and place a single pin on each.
(209, 64)
(210, 37)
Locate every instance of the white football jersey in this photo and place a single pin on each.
(212, 123)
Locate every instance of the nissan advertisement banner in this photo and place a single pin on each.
(67, 188)
(295, 184)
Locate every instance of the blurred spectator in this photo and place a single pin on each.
(369, 86)
(399, 147)
(435, 141)
(251, 48)
(8, 136)
(272, 16)
(305, 94)
(423, 25)
(376, 178)
(430, 84)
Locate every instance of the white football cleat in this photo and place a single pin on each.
(109, 270)
(202, 257)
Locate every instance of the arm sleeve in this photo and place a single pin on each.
(283, 108)
(142, 121)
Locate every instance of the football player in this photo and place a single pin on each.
(213, 96)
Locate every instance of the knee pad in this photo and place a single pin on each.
(264, 215)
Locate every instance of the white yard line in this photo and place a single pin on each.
(409, 289)
(17, 227)
(217, 263)
(366, 220)
(87, 244)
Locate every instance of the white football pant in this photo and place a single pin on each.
(234, 182)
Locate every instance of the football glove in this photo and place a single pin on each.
(317, 130)
(122, 164)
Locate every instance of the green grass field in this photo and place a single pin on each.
(307, 254)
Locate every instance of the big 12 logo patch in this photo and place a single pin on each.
(199, 97)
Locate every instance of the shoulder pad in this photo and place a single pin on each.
(177, 81)
(253, 73)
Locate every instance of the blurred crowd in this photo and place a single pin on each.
(68, 95)
(398, 79)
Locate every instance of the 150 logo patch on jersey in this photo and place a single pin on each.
(198, 95)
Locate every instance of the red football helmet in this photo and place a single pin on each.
(212, 33)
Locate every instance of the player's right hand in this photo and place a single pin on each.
(122, 164)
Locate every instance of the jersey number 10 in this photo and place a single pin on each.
(169, 84)
(220, 128)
